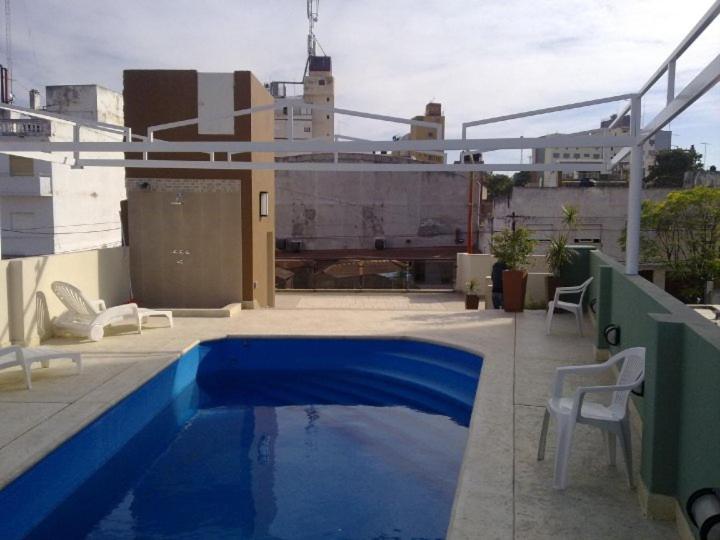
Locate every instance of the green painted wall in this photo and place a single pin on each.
(681, 403)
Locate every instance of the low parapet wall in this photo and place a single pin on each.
(102, 273)
(680, 403)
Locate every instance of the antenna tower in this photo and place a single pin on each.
(312, 14)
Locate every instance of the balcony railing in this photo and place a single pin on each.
(22, 127)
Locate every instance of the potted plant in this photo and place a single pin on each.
(472, 294)
(558, 254)
(514, 248)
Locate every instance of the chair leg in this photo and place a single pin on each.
(562, 454)
(28, 377)
(549, 317)
(543, 436)
(578, 320)
(626, 443)
(78, 362)
(612, 452)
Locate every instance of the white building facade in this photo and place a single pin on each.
(48, 208)
(597, 155)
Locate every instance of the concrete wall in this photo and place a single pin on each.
(602, 212)
(101, 273)
(348, 210)
(4, 311)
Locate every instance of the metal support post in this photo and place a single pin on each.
(632, 247)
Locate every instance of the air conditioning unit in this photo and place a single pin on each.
(379, 243)
(294, 245)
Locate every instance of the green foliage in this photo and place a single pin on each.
(499, 185)
(521, 178)
(558, 255)
(513, 247)
(671, 165)
(472, 286)
(570, 216)
(683, 233)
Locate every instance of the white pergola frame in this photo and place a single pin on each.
(71, 152)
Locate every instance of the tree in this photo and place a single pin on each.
(499, 185)
(683, 233)
(521, 178)
(671, 165)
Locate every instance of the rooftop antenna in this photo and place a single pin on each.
(312, 14)
(8, 96)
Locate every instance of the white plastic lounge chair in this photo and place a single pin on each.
(89, 318)
(613, 418)
(575, 309)
(24, 357)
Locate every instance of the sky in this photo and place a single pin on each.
(479, 58)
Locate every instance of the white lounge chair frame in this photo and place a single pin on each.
(575, 309)
(89, 318)
(613, 418)
(24, 357)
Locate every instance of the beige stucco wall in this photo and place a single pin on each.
(4, 311)
(100, 273)
(479, 265)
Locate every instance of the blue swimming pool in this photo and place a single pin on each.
(265, 438)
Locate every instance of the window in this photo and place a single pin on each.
(566, 156)
(307, 130)
(285, 110)
(586, 155)
(556, 154)
(264, 204)
(576, 156)
(21, 166)
(596, 156)
(321, 82)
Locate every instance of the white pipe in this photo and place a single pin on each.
(632, 245)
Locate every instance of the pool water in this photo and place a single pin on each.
(258, 448)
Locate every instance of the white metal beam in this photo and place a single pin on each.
(486, 145)
(547, 110)
(332, 166)
(705, 21)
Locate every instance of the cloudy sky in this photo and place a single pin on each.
(479, 58)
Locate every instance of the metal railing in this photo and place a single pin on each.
(24, 127)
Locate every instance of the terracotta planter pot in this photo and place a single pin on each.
(514, 285)
(472, 301)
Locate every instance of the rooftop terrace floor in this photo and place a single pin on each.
(503, 491)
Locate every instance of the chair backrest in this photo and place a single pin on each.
(44, 326)
(632, 372)
(73, 299)
(584, 286)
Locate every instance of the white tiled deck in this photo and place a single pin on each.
(503, 493)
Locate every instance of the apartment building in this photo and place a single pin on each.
(50, 207)
(433, 113)
(596, 155)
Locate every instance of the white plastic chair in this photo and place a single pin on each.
(89, 318)
(576, 309)
(612, 418)
(24, 357)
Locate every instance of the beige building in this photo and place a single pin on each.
(433, 113)
(596, 155)
(201, 238)
(318, 88)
